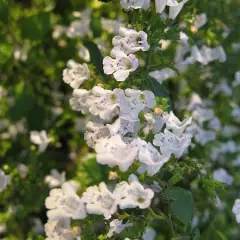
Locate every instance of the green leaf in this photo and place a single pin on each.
(95, 55)
(6, 51)
(182, 204)
(96, 27)
(36, 26)
(182, 238)
(24, 103)
(4, 10)
(158, 88)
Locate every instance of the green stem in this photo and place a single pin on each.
(158, 217)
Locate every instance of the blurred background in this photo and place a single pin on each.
(37, 38)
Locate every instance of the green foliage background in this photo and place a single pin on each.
(35, 87)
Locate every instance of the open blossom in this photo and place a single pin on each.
(237, 79)
(163, 74)
(134, 101)
(172, 144)
(65, 202)
(132, 4)
(222, 175)
(202, 115)
(200, 20)
(120, 64)
(116, 226)
(103, 103)
(75, 74)
(236, 210)
(150, 158)
(4, 180)
(149, 234)
(115, 152)
(41, 139)
(153, 122)
(80, 28)
(78, 101)
(133, 195)
(55, 179)
(94, 133)
(161, 4)
(59, 229)
(176, 9)
(130, 41)
(123, 125)
(174, 124)
(99, 200)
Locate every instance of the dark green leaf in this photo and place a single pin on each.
(4, 11)
(158, 88)
(36, 26)
(6, 51)
(95, 55)
(24, 104)
(182, 238)
(182, 204)
(96, 27)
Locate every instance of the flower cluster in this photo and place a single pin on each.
(122, 60)
(64, 204)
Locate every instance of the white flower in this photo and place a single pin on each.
(41, 139)
(150, 158)
(22, 169)
(80, 28)
(115, 152)
(173, 123)
(78, 101)
(161, 4)
(134, 101)
(222, 175)
(236, 210)
(4, 180)
(200, 20)
(172, 144)
(146, 4)
(55, 179)
(149, 234)
(134, 195)
(201, 136)
(229, 131)
(65, 202)
(202, 115)
(195, 102)
(58, 31)
(75, 74)
(223, 87)
(103, 103)
(124, 125)
(131, 4)
(84, 54)
(130, 41)
(174, 10)
(112, 25)
(94, 133)
(237, 79)
(100, 201)
(162, 75)
(183, 38)
(153, 122)
(59, 229)
(220, 54)
(215, 124)
(120, 65)
(236, 112)
(116, 226)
